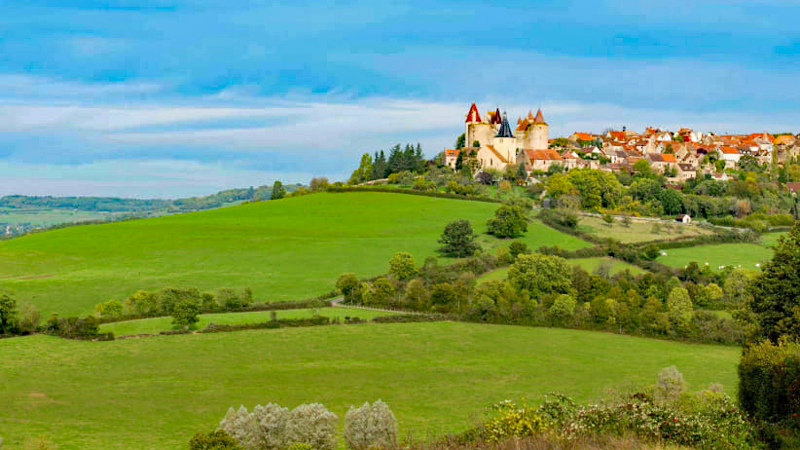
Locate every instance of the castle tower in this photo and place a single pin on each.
(505, 143)
(537, 136)
(473, 119)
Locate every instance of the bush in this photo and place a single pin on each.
(769, 382)
(458, 239)
(242, 426)
(314, 425)
(508, 221)
(216, 440)
(370, 426)
(403, 266)
(272, 421)
(512, 421)
(670, 385)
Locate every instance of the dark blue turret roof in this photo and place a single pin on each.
(505, 129)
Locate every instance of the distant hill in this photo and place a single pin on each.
(20, 213)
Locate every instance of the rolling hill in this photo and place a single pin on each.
(288, 249)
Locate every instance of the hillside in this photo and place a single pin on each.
(288, 249)
(156, 392)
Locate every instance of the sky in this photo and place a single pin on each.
(172, 98)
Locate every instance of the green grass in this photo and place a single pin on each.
(154, 393)
(588, 264)
(638, 231)
(745, 255)
(770, 239)
(158, 324)
(287, 249)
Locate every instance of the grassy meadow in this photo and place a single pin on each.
(588, 264)
(157, 324)
(288, 249)
(639, 230)
(156, 392)
(744, 255)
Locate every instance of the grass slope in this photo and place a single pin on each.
(287, 249)
(745, 255)
(154, 393)
(639, 230)
(158, 324)
(588, 264)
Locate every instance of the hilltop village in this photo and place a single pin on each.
(489, 142)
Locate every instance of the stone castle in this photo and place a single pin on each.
(495, 144)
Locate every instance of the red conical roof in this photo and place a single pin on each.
(473, 115)
(539, 117)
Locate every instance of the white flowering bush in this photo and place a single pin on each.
(272, 421)
(370, 426)
(670, 385)
(313, 424)
(242, 426)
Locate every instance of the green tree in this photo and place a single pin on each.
(461, 141)
(522, 174)
(641, 168)
(558, 185)
(541, 275)
(776, 290)
(8, 314)
(508, 222)
(443, 297)
(460, 161)
(278, 191)
(382, 292)
(517, 248)
(403, 266)
(348, 284)
(679, 307)
(458, 239)
(563, 308)
(185, 312)
(364, 171)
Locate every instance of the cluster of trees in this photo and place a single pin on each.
(546, 290)
(183, 304)
(400, 159)
(306, 427)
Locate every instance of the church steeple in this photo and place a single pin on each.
(505, 128)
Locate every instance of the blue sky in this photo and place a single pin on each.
(172, 98)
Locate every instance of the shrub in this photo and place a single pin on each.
(314, 425)
(241, 425)
(272, 421)
(370, 426)
(216, 440)
(8, 314)
(110, 309)
(185, 312)
(670, 385)
(458, 239)
(348, 284)
(769, 381)
(512, 421)
(508, 221)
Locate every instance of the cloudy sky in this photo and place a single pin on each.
(168, 98)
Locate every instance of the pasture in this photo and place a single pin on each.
(744, 255)
(283, 250)
(588, 264)
(157, 324)
(156, 392)
(639, 230)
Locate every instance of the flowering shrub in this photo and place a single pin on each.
(512, 421)
(370, 426)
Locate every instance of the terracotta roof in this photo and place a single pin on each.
(729, 150)
(785, 139)
(539, 117)
(522, 124)
(583, 136)
(494, 117)
(668, 158)
(618, 135)
(543, 155)
(451, 152)
(473, 115)
(496, 153)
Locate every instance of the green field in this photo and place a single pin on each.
(744, 255)
(288, 249)
(588, 264)
(158, 324)
(639, 230)
(154, 393)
